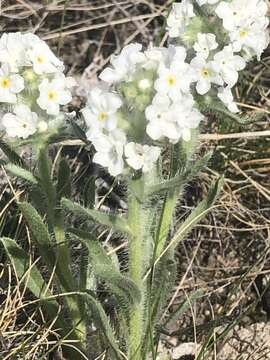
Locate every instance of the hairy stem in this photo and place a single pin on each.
(136, 269)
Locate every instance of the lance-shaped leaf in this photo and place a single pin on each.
(198, 213)
(105, 270)
(115, 222)
(64, 181)
(182, 308)
(31, 275)
(45, 245)
(11, 154)
(179, 180)
(22, 173)
(40, 232)
(101, 321)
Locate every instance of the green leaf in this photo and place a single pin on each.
(34, 281)
(105, 270)
(119, 284)
(182, 308)
(181, 179)
(22, 173)
(101, 321)
(217, 108)
(115, 222)
(40, 233)
(11, 154)
(63, 188)
(32, 278)
(45, 245)
(42, 238)
(89, 192)
(44, 170)
(163, 283)
(198, 213)
(78, 131)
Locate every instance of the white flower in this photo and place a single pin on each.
(175, 78)
(43, 59)
(22, 123)
(227, 65)
(172, 120)
(251, 37)
(178, 18)
(154, 56)
(12, 50)
(206, 75)
(226, 96)
(210, 2)
(231, 13)
(10, 85)
(161, 123)
(123, 65)
(52, 94)
(110, 150)
(205, 43)
(186, 116)
(235, 12)
(100, 112)
(141, 156)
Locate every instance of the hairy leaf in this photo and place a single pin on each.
(198, 213)
(105, 270)
(40, 232)
(115, 222)
(63, 188)
(32, 276)
(21, 172)
(11, 154)
(181, 179)
(101, 321)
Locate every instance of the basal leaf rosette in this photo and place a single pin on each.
(220, 38)
(33, 87)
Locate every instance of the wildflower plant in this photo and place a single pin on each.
(149, 103)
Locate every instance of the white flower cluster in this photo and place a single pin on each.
(144, 98)
(240, 26)
(32, 85)
(150, 96)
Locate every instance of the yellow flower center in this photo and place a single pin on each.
(242, 33)
(205, 72)
(40, 59)
(171, 80)
(103, 116)
(51, 95)
(5, 83)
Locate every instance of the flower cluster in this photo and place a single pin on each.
(148, 97)
(221, 36)
(145, 97)
(32, 85)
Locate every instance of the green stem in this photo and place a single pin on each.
(136, 269)
(46, 183)
(165, 221)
